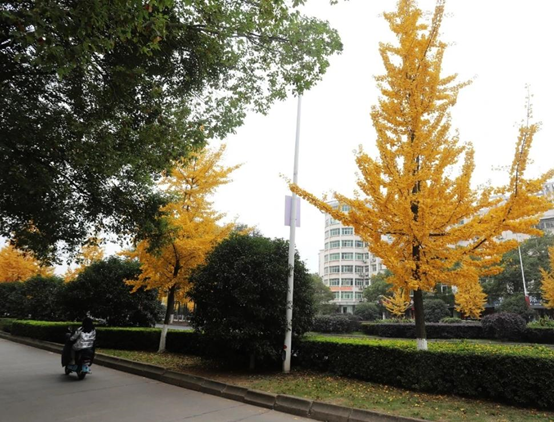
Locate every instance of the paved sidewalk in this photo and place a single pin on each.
(33, 388)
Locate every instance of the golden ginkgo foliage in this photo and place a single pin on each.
(417, 209)
(398, 303)
(193, 228)
(547, 286)
(16, 265)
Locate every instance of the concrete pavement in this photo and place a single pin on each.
(33, 388)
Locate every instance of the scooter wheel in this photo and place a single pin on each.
(81, 375)
(67, 371)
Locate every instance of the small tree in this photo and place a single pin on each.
(101, 290)
(241, 295)
(322, 296)
(189, 229)
(547, 286)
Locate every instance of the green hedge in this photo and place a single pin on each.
(434, 330)
(6, 324)
(453, 331)
(146, 339)
(519, 375)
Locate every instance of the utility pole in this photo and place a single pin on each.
(287, 348)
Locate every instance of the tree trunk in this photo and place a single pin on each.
(167, 319)
(421, 335)
(252, 365)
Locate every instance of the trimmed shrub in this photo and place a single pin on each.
(539, 335)
(504, 326)
(367, 311)
(6, 324)
(108, 338)
(434, 331)
(340, 323)
(331, 324)
(435, 310)
(517, 376)
(451, 320)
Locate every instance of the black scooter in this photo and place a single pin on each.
(83, 358)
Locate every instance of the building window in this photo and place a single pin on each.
(359, 244)
(359, 282)
(347, 269)
(332, 221)
(334, 244)
(326, 270)
(359, 256)
(347, 230)
(359, 269)
(326, 258)
(374, 268)
(347, 243)
(337, 295)
(335, 269)
(347, 295)
(334, 282)
(359, 295)
(326, 245)
(334, 257)
(346, 282)
(345, 208)
(334, 232)
(347, 256)
(326, 234)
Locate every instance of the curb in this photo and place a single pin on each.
(283, 403)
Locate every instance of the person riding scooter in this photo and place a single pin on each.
(80, 346)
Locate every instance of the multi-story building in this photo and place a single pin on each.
(345, 264)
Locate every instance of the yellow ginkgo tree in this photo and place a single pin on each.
(417, 209)
(547, 286)
(191, 231)
(16, 265)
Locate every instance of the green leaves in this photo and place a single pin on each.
(98, 98)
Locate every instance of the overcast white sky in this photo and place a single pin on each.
(501, 44)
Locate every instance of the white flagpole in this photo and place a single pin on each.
(293, 217)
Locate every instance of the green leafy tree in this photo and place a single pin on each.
(378, 287)
(100, 290)
(368, 311)
(11, 298)
(534, 253)
(516, 304)
(240, 297)
(42, 298)
(322, 296)
(97, 98)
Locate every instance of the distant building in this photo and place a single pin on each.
(345, 263)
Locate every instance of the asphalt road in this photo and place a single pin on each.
(33, 388)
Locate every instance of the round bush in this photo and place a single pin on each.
(367, 311)
(332, 324)
(504, 326)
(435, 309)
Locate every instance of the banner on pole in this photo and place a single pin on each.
(288, 210)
